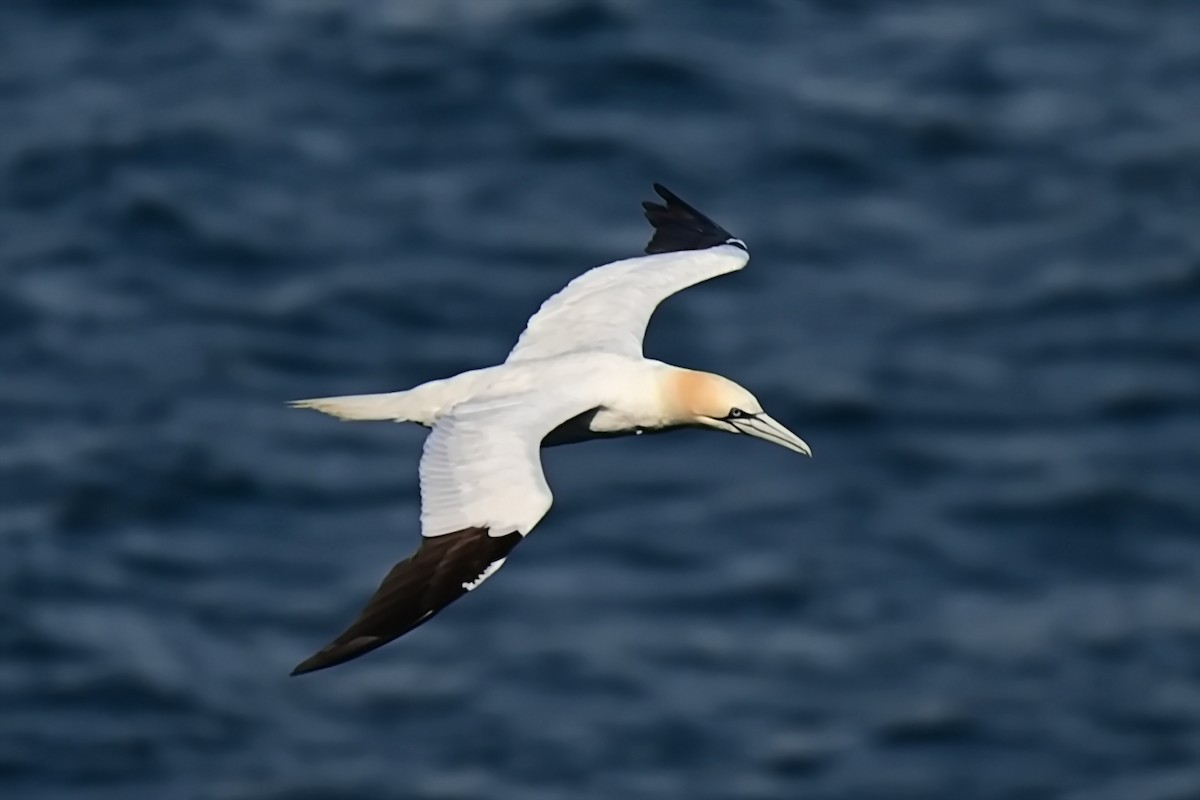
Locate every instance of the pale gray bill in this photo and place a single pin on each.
(763, 427)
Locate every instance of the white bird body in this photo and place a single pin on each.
(429, 402)
(576, 373)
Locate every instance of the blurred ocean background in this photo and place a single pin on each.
(975, 290)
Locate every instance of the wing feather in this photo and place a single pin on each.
(608, 308)
(482, 490)
(442, 570)
(482, 462)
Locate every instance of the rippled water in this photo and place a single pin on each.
(975, 291)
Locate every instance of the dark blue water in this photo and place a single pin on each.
(975, 291)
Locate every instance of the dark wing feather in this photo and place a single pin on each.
(414, 591)
(678, 226)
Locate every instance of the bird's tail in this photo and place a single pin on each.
(395, 406)
(422, 404)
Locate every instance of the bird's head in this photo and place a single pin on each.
(711, 401)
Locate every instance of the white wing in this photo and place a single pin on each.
(609, 307)
(482, 468)
(482, 490)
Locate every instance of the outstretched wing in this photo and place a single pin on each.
(482, 490)
(609, 307)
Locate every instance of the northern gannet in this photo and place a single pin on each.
(576, 373)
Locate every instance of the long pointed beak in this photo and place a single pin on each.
(763, 427)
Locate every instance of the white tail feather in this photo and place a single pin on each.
(389, 406)
(422, 404)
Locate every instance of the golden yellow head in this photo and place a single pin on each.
(694, 396)
(711, 401)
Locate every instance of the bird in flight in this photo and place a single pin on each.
(576, 373)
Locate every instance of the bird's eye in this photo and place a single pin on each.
(736, 413)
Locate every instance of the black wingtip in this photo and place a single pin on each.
(338, 653)
(443, 569)
(679, 226)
